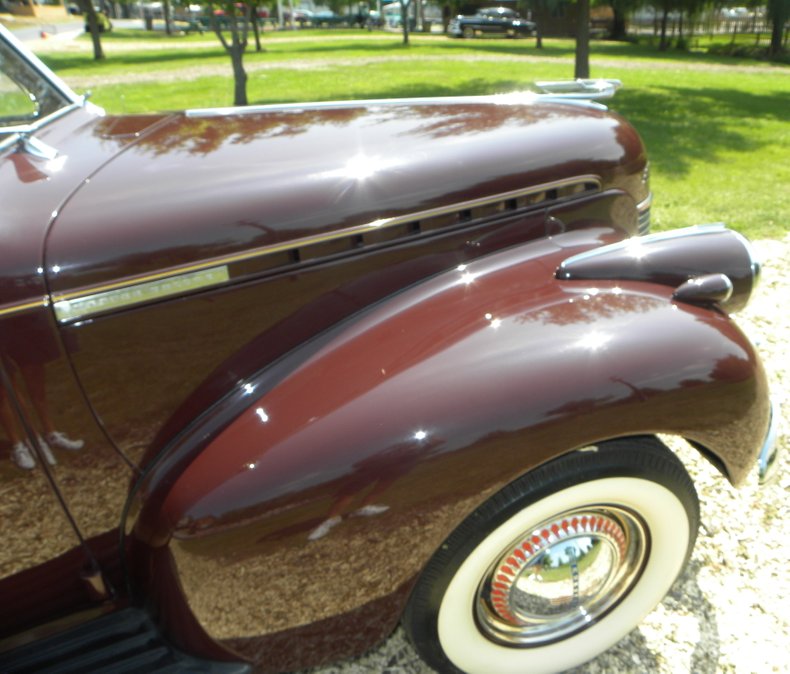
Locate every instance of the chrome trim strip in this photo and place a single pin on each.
(643, 214)
(512, 98)
(754, 261)
(70, 310)
(768, 463)
(20, 307)
(76, 296)
(646, 203)
(584, 89)
(333, 105)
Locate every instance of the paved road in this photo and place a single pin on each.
(69, 29)
(28, 33)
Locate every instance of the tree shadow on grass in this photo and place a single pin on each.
(682, 125)
(59, 62)
(384, 47)
(434, 47)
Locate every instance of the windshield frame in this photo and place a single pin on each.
(56, 87)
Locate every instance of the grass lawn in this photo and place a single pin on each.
(717, 128)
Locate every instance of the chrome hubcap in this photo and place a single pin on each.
(562, 576)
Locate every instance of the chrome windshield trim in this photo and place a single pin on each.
(12, 134)
(9, 135)
(43, 121)
(39, 65)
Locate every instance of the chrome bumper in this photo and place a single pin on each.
(768, 463)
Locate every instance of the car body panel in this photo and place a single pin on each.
(381, 445)
(45, 391)
(266, 179)
(296, 259)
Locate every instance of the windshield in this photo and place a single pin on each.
(29, 91)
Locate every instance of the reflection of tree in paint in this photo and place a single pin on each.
(591, 308)
(374, 474)
(204, 135)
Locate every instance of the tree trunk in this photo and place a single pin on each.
(619, 30)
(236, 47)
(404, 16)
(662, 43)
(778, 11)
(581, 68)
(93, 27)
(239, 77)
(256, 29)
(166, 15)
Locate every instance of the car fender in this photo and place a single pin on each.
(357, 454)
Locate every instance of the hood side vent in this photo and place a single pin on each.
(89, 301)
(399, 228)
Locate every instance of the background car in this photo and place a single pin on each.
(492, 21)
(301, 16)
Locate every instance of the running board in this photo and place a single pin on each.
(119, 643)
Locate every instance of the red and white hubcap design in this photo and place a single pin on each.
(561, 576)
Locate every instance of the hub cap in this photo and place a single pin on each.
(562, 576)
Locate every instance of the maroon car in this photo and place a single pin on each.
(277, 379)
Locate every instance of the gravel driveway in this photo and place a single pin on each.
(729, 611)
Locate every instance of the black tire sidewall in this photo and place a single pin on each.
(643, 457)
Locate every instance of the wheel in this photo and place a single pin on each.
(559, 565)
(469, 32)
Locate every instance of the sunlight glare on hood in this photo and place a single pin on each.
(361, 167)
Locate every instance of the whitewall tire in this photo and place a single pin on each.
(560, 565)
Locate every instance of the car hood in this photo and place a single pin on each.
(203, 185)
